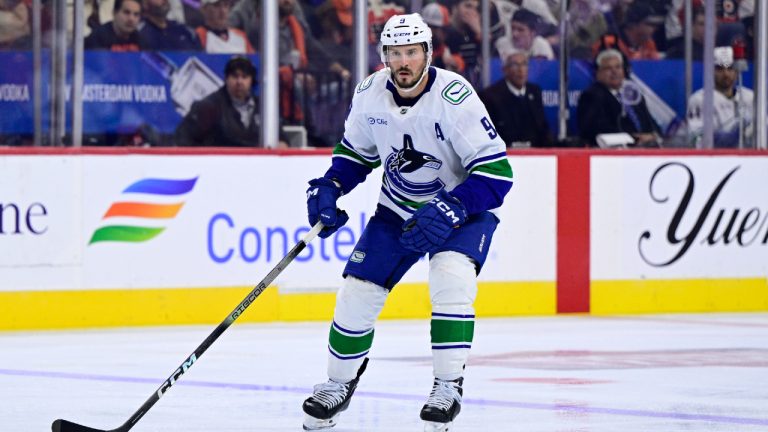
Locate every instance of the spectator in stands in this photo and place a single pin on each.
(585, 25)
(635, 37)
(524, 38)
(162, 34)
(675, 20)
(246, 16)
(609, 105)
(216, 35)
(732, 108)
(515, 106)
(542, 10)
(229, 117)
(186, 12)
(301, 57)
(546, 25)
(15, 30)
(463, 36)
(435, 15)
(120, 34)
(336, 32)
(677, 48)
(100, 11)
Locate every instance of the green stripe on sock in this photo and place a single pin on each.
(348, 345)
(447, 331)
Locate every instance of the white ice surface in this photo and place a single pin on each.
(544, 374)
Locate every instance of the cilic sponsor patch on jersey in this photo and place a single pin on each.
(357, 257)
(456, 92)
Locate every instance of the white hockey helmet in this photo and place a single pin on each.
(405, 30)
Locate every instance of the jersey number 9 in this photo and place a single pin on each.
(489, 128)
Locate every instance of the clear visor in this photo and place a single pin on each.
(404, 53)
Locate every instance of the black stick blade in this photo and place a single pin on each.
(67, 426)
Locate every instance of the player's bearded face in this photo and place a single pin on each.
(407, 64)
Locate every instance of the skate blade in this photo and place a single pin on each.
(437, 427)
(311, 423)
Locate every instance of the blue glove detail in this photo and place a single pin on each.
(433, 223)
(321, 206)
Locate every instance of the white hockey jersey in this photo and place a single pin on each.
(425, 144)
(726, 114)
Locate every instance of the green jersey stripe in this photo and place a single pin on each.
(499, 168)
(495, 177)
(343, 151)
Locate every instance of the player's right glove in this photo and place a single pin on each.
(433, 223)
(321, 206)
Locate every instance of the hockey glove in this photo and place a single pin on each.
(433, 223)
(321, 206)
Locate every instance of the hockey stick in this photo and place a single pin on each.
(67, 426)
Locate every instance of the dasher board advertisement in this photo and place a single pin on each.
(168, 221)
(671, 217)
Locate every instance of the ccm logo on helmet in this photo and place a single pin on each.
(401, 34)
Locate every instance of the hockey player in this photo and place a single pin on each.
(732, 108)
(445, 169)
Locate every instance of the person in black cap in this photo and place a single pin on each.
(228, 117)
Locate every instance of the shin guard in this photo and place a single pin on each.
(358, 304)
(453, 288)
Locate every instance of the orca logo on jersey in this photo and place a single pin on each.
(409, 160)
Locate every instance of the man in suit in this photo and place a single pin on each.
(611, 106)
(515, 106)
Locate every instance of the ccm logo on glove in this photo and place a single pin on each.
(432, 224)
(448, 211)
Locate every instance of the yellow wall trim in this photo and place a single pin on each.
(684, 295)
(38, 310)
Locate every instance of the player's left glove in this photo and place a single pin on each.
(433, 223)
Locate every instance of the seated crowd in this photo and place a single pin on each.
(315, 45)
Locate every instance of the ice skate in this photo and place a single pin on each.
(443, 405)
(328, 400)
